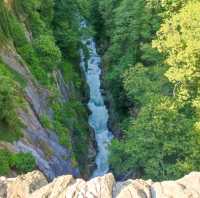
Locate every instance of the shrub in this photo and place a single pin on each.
(23, 162)
(46, 122)
(20, 162)
(48, 53)
(17, 32)
(4, 162)
(9, 101)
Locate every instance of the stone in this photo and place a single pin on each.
(187, 187)
(35, 185)
(55, 189)
(3, 187)
(95, 188)
(133, 188)
(22, 186)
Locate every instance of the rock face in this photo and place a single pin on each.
(52, 158)
(35, 185)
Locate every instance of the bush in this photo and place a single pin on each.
(46, 122)
(30, 10)
(9, 101)
(48, 53)
(20, 162)
(23, 162)
(4, 162)
(17, 32)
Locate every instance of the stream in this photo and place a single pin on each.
(98, 119)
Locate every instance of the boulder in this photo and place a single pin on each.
(35, 185)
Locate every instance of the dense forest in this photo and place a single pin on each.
(150, 59)
(151, 54)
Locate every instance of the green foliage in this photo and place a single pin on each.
(17, 32)
(167, 7)
(48, 53)
(19, 162)
(84, 7)
(40, 30)
(22, 162)
(129, 27)
(154, 90)
(70, 74)
(142, 82)
(4, 161)
(10, 100)
(70, 123)
(178, 38)
(47, 11)
(33, 19)
(4, 23)
(157, 143)
(46, 122)
(66, 27)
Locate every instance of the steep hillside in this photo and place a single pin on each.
(151, 56)
(43, 121)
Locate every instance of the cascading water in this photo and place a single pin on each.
(98, 119)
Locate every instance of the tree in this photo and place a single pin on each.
(66, 27)
(142, 82)
(159, 143)
(179, 40)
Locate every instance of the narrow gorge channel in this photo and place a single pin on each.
(98, 119)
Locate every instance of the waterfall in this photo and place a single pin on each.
(98, 119)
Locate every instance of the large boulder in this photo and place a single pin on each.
(22, 186)
(187, 187)
(35, 185)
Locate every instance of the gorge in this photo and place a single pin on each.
(98, 119)
(89, 87)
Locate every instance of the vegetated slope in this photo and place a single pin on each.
(151, 54)
(42, 90)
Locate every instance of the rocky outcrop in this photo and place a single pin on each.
(35, 185)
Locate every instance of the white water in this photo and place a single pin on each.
(98, 119)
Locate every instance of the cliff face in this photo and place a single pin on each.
(36, 139)
(51, 111)
(34, 185)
